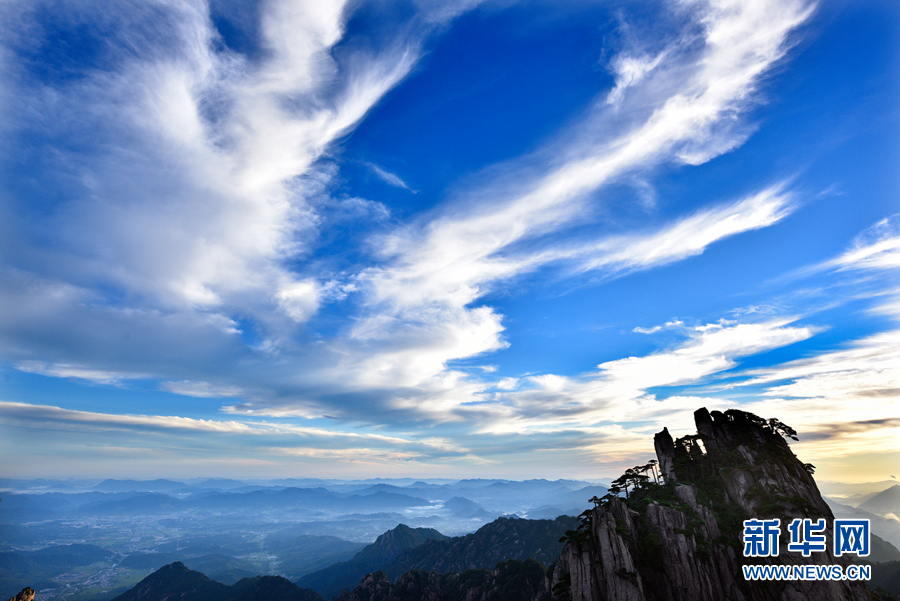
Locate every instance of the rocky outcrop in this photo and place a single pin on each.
(26, 594)
(681, 540)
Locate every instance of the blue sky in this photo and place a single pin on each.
(444, 239)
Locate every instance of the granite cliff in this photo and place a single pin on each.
(680, 540)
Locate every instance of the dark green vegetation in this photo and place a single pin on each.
(218, 567)
(299, 555)
(695, 466)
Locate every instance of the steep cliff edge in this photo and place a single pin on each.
(680, 539)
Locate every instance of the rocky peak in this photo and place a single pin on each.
(26, 594)
(680, 539)
(393, 542)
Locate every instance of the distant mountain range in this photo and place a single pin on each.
(887, 528)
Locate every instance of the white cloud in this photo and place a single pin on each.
(855, 388)
(652, 330)
(687, 237)
(619, 391)
(36, 415)
(193, 202)
(669, 324)
(299, 300)
(507, 383)
(390, 178)
(629, 71)
(199, 206)
(200, 389)
(859, 382)
(65, 370)
(30, 415)
(877, 248)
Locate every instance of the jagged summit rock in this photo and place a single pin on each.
(26, 594)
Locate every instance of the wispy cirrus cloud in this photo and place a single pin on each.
(189, 178)
(434, 270)
(877, 248)
(390, 178)
(46, 414)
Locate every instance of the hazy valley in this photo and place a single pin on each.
(88, 540)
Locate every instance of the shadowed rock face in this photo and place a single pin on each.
(26, 594)
(681, 541)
